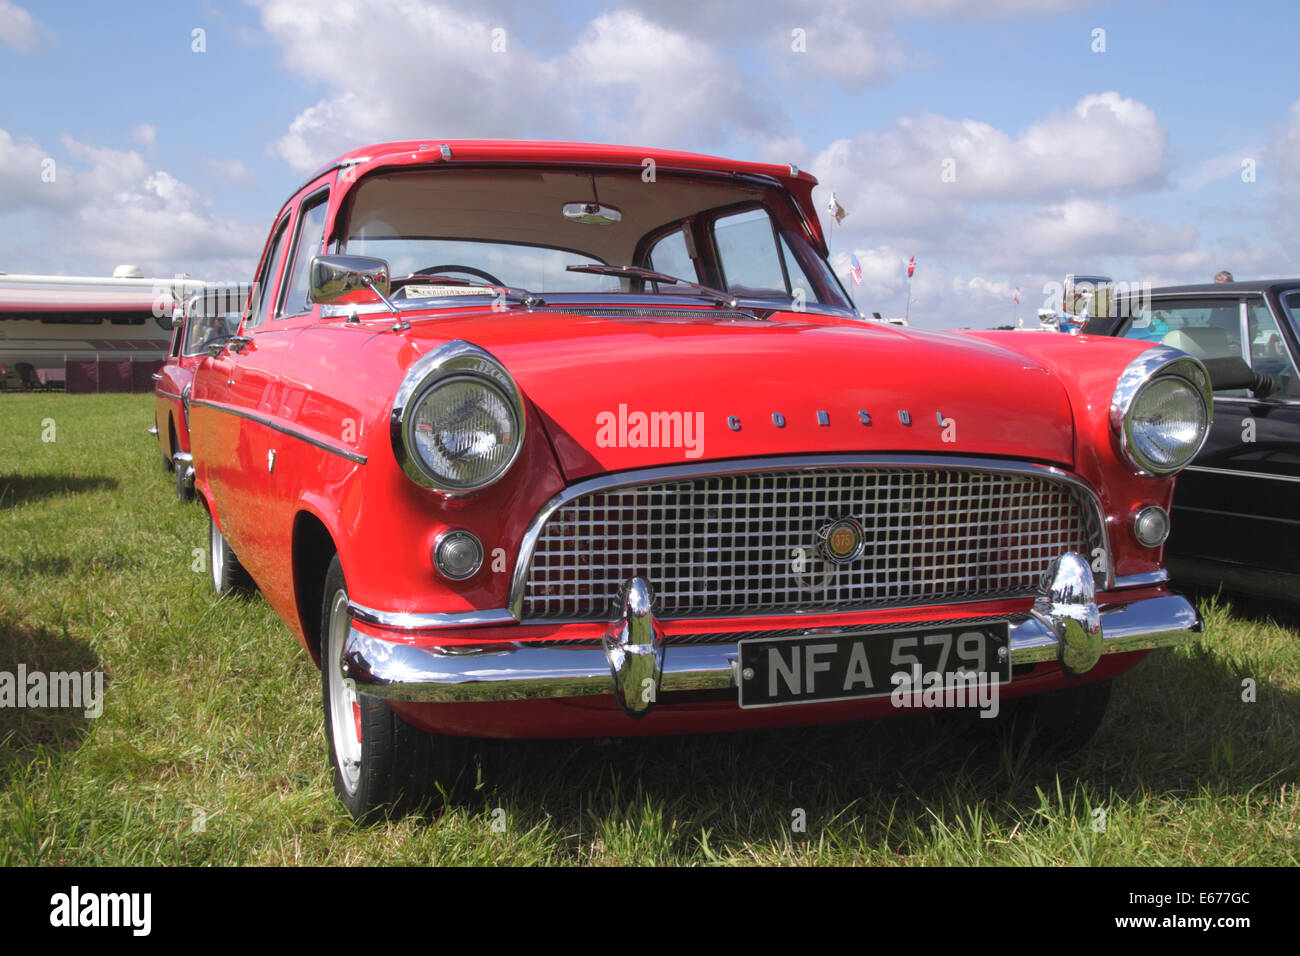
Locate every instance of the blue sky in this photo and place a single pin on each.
(1126, 161)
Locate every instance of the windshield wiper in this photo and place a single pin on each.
(723, 299)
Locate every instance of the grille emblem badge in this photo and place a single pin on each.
(842, 542)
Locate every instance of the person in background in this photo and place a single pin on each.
(1223, 276)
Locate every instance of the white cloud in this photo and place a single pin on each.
(109, 206)
(17, 26)
(146, 135)
(1105, 144)
(418, 68)
(236, 172)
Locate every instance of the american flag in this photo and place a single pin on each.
(911, 266)
(1017, 297)
(855, 270)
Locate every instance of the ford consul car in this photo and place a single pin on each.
(557, 440)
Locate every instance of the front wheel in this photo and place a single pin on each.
(382, 765)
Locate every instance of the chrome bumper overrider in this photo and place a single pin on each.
(633, 663)
(185, 460)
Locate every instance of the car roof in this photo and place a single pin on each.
(415, 151)
(1227, 288)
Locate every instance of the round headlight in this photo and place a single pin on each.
(464, 432)
(1166, 425)
(458, 420)
(1161, 410)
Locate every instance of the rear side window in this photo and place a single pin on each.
(1206, 328)
(306, 245)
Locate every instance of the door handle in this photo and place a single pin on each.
(239, 342)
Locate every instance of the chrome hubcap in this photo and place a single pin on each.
(345, 723)
(216, 556)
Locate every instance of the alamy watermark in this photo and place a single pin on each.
(75, 690)
(659, 429)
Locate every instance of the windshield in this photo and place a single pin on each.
(523, 228)
(212, 315)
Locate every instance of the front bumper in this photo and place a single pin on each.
(1065, 625)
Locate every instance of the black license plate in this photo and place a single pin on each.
(838, 666)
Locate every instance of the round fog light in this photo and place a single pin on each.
(457, 555)
(1151, 526)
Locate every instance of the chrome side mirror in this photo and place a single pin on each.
(336, 279)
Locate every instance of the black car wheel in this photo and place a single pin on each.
(382, 765)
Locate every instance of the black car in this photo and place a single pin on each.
(1236, 515)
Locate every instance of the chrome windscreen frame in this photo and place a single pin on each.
(457, 359)
(528, 544)
(1160, 361)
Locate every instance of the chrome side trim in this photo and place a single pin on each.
(271, 423)
(1235, 473)
(396, 670)
(788, 463)
(164, 394)
(415, 622)
(1142, 580)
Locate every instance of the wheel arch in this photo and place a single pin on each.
(314, 544)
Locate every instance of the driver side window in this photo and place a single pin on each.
(262, 303)
(1269, 353)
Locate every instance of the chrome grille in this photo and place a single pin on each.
(747, 543)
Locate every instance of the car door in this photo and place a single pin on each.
(230, 390)
(1235, 503)
(1241, 492)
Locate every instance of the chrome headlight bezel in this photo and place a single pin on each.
(455, 360)
(1154, 365)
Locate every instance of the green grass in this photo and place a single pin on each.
(213, 707)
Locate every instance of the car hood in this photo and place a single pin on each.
(619, 392)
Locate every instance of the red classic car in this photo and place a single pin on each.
(560, 440)
(205, 318)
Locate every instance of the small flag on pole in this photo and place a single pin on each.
(855, 270)
(911, 266)
(835, 209)
(1017, 296)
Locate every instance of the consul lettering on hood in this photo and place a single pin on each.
(655, 429)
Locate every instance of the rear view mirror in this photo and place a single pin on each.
(592, 213)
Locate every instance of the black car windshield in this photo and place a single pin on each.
(523, 228)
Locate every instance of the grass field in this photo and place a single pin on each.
(209, 749)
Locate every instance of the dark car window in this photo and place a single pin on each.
(306, 245)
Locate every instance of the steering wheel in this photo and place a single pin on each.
(486, 276)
